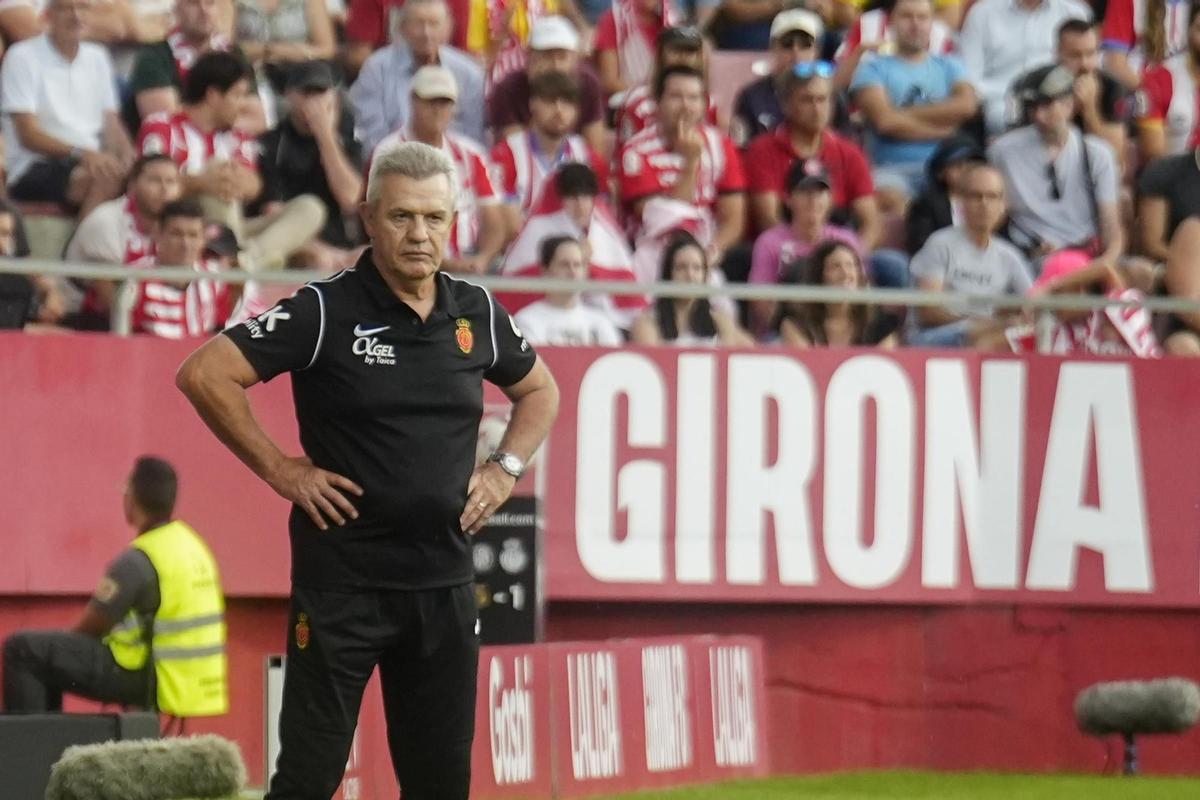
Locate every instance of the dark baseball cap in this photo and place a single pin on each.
(220, 241)
(681, 37)
(807, 174)
(311, 76)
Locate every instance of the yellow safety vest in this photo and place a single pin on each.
(188, 639)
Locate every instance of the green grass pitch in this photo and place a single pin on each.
(938, 786)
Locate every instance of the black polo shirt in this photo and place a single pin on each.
(393, 404)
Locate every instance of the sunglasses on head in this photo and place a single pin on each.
(807, 69)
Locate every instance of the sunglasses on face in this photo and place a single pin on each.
(807, 69)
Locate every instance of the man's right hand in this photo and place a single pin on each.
(689, 143)
(220, 180)
(315, 490)
(100, 165)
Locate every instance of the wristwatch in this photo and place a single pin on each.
(510, 463)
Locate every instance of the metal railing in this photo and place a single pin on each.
(1044, 305)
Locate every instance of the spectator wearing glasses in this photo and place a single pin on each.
(795, 39)
(940, 204)
(805, 136)
(969, 257)
(1062, 183)
(1002, 39)
(636, 108)
(911, 101)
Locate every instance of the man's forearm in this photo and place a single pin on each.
(532, 416)
(344, 181)
(954, 111)
(684, 189)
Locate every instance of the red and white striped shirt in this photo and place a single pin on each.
(189, 147)
(475, 187)
(521, 169)
(638, 110)
(648, 167)
(1168, 101)
(176, 312)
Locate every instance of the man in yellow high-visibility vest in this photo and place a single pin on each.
(152, 635)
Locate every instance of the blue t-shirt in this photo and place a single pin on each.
(907, 84)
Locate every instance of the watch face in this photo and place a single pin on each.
(510, 463)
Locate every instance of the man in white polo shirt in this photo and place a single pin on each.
(65, 140)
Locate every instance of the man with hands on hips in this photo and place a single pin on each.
(387, 362)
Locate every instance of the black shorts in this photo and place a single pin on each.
(44, 181)
(427, 649)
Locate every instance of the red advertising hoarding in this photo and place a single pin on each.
(843, 476)
(580, 719)
(766, 475)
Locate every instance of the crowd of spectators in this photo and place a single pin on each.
(985, 147)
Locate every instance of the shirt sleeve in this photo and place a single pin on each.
(1154, 97)
(1104, 170)
(364, 22)
(868, 74)
(514, 355)
(930, 261)
(504, 175)
(285, 338)
(129, 584)
(956, 72)
(367, 95)
(1118, 32)
(733, 177)
(1155, 180)
(153, 69)
(485, 191)
(853, 40)
(98, 239)
(606, 33)
(18, 84)
(859, 182)
(764, 261)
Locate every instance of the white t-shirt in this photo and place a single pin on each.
(70, 98)
(543, 323)
(951, 257)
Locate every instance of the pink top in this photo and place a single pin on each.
(779, 246)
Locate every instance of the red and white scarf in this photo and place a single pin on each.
(635, 49)
(185, 54)
(609, 258)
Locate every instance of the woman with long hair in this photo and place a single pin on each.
(687, 321)
(834, 264)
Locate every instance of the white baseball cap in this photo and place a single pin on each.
(434, 83)
(553, 33)
(796, 19)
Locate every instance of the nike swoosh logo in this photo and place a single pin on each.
(359, 330)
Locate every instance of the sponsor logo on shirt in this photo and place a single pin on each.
(266, 322)
(366, 344)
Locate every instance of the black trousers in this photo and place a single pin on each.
(40, 665)
(427, 650)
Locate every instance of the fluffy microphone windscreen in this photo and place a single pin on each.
(1166, 705)
(198, 767)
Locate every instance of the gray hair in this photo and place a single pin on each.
(408, 6)
(414, 160)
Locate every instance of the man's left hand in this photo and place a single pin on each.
(489, 487)
(1087, 91)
